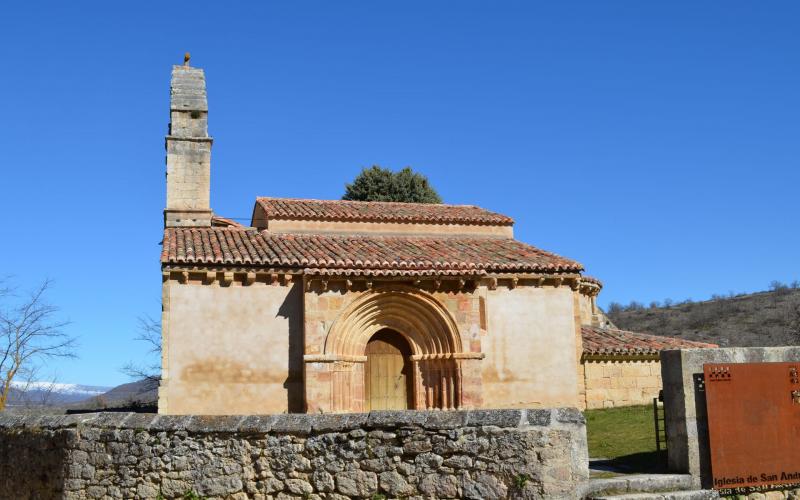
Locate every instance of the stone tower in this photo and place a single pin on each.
(188, 151)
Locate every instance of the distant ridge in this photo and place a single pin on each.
(760, 319)
(37, 394)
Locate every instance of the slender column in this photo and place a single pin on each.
(457, 384)
(419, 392)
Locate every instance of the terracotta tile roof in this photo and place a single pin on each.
(591, 279)
(342, 254)
(379, 211)
(218, 221)
(609, 341)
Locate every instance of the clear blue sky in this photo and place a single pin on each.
(657, 143)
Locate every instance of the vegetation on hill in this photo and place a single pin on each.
(381, 184)
(142, 393)
(770, 318)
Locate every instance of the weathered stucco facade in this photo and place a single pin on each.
(258, 342)
(530, 347)
(231, 348)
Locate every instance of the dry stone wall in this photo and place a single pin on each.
(478, 454)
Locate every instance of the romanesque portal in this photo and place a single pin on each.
(393, 348)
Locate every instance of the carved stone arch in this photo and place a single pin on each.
(335, 379)
(429, 328)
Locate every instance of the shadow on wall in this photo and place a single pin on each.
(701, 413)
(291, 309)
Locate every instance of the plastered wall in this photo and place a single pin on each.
(530, 348)
(232, 349)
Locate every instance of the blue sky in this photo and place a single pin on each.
(655, 142)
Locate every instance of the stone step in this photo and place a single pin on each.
(665, 495)
(637, 483)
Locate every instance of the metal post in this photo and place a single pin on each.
(655, 424)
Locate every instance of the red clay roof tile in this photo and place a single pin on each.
(379, 211)
(609, 341)
(339, 253)
(218, 221)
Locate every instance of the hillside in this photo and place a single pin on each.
(142, 392)
(759, 319)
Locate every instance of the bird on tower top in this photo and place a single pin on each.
(186, 58)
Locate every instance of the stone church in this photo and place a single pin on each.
(327, 306)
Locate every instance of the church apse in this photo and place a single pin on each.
(444, 374)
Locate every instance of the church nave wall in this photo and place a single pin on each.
(530, 348)
(232, 349)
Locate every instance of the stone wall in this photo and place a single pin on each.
(479, 454)
(620, 382)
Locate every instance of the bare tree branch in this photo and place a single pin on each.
(150, 334)
(30, 332)
(34, 393)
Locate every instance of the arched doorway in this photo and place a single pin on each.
(388, 373)
(439, 373)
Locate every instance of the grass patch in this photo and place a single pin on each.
(616, 432)
(625, 436)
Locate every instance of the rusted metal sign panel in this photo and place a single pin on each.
(753, 423)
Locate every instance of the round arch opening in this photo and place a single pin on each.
(388, 372)
(431, 347)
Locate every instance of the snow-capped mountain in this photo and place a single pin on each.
(51, 393)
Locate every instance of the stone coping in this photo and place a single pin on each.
(300, 423)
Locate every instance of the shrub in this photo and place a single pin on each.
(381, 184)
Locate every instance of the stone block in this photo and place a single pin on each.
(569, 416)
(256, 424)
(214, 423)
(170, 422)
(292, 423)
(139, 420)
(386, 418)
(357, 483)
(499, 418)
(540, 417)
(338, 422)
(446, 419)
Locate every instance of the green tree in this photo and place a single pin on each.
(381, 184)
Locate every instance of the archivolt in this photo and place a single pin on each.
(425, 323)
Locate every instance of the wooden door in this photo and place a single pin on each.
(387, 372)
